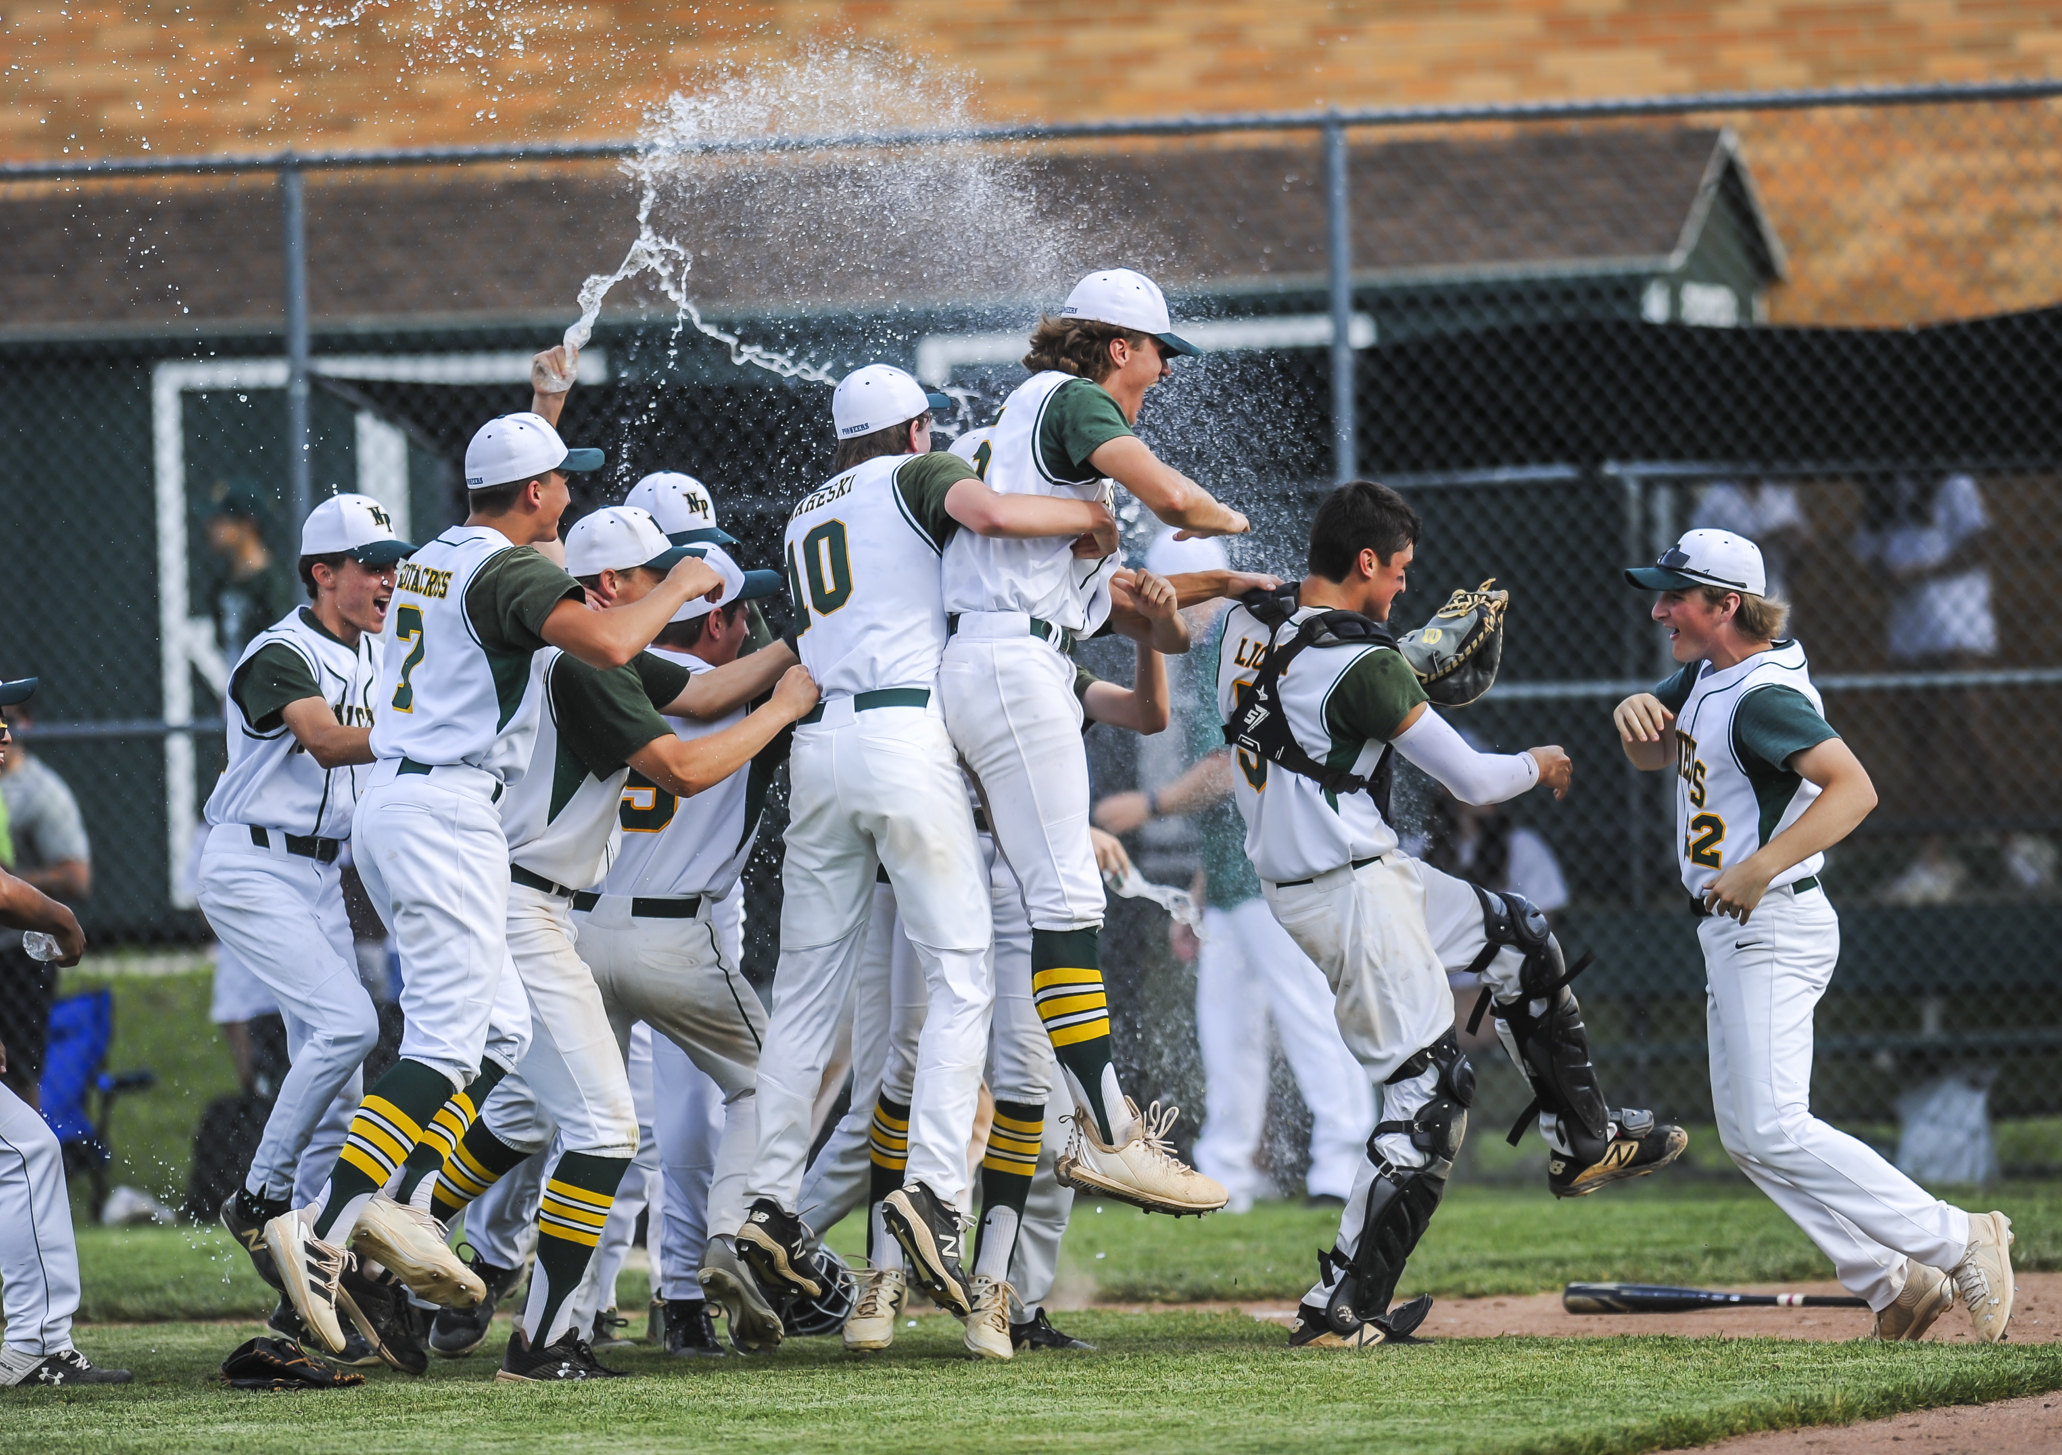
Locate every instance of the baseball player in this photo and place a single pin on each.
(1014, 608)
(39, 1258)
(875, 782)
(1764, 788)
(300, 708)
(562, 824)
(456, 721)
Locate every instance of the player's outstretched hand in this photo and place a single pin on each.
(1120, 813)
(1238, 583)
(1232, 524)
(1109, 854)
(698, 576)
(796, 693)
(1100, 542)
(554, 370)
(1154, 596)
(1642, 719)
(1556, 769)
(1736, 891)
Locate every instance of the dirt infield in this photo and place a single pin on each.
(2026, 1426)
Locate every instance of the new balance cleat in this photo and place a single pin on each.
(988, 1326)
(455, 1333)
(246, 1224)
(879, 1304)
(562, 1362)
(1314, 1330)
(1984, 1276)
(1037, 1332)
(755, 1326)
(773, 1242)
(66, 1369)
(689, 1332)
(413, 1245)
(1639, 1145)
(1142, 1170)
(931, 1238)
(309, 1270)
(608, 1335)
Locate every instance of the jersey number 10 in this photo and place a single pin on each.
(826, 562)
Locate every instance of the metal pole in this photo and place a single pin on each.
(294, 250)
(1339, 263)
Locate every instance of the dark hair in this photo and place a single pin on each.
(1360, 515)
(591, 582)
(1077, 346)
(334, 560)
(500, 499)
(685, 636)
(892, 440)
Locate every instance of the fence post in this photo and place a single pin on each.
(294, 247)
(1339, 264)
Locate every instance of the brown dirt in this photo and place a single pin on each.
(2029, 1426)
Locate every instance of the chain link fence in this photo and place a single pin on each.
(1835, 330)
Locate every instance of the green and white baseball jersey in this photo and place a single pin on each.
(1039, 445)
(1735, 733)
(270, 780)
(454, 686)
(1343, 704)
(862, 558)
(561, 816)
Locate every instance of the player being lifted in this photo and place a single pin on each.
(1014, 608)
(1764, 788)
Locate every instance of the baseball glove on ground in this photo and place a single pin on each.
(282, 1364)
(1457, 652)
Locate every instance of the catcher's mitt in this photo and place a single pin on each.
(282, 1364)
(1457, 652)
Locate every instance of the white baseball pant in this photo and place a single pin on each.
(872, 788)
(1021, 1065)
(1251, 973)
(283, 917)
(39, 1259)
(634, 1194)
(1764, 981)
(431, 852)
(1009, 700)
(688, 1117)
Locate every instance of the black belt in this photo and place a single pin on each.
(519, 875)
(409, 765)
(640, 908)
(981, 822)
(886, 697)
(1799, 886)
(1357, 864)
(1045, 631)
(306, 846)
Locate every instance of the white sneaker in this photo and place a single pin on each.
(1927, 1294)
(988, 1326)
(1143, 1171)
(874, 1312)
(309, 1273)
(1984, 1276)
(412, 1244)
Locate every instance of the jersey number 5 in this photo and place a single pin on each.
(826, 564)
(647, 808)
(408, 627)
(1707, 832)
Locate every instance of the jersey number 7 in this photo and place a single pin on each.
(407, 627)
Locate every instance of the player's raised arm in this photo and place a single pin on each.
(1430, 742)
(612, 636)
(1142, 707)
(1193, 588)
(686, 767)
(1165, 491)
(1646, 730)
(552, 376)
(1023, 517)
(1145, 608)
(722, 690)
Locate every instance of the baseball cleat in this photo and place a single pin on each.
(1640, 1145)
(357, 1354)
(1399, 1325)
(309, 1270)
(689, 1332)
(930, 1234)
(249, 1232)
(772, 1241)
(879, 1305)
(755, 1327)
(988, 1326)
(1927, 1294)
(1313, 1330)
(457, 1332)
(63, 1370)
(395, 1330)
(412, 1244)
(606, 1324)
(562, 1362)
(1984, 1276)
(1037, 1332)
(1142, 1171)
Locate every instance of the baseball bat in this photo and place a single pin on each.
(1649, 1298)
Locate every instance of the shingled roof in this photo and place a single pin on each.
(470, 246)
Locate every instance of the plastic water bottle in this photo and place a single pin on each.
(39, 946)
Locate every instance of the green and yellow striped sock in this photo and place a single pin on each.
(384, 1131)
(577, 1198)
(1067, 985)
(1006, 1171)
(480, 1160)
(441, 1137)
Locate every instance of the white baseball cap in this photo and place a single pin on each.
(1705, 558)
(878, 396)
(356, 525)
(738, 585)
(1167, 556)
(682, 506)
(1129, 300)
(520, 447)
(616, 538)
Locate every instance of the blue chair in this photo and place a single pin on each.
(78, 1093)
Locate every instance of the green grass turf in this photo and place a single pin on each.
(1172, 1381)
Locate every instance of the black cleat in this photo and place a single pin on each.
(457, 1332)
(1642, 1145)
(357, 1353)
(608, 1325)
(393, 1327)
(772, 1242)
(930, 1235)
(562, 1362)
(1316, 1329)
(1037, 1332)
(65, 1370)
(690, 1331)
(245, 1217)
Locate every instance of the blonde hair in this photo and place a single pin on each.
(1759, 618)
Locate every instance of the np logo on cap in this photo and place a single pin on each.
(1128, 300)
(518, 447)
(878, 396)
(683, 507)
(356, 525)
(1705, 558)
(618, 538)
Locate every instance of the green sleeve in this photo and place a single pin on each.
(922, 485)
(512, 595)
(1080, 419)
(1083, 680)
(1774, 724)
(1370, 702)
(663, 680)
(267, 681)
(603, 717)
(1676, 690)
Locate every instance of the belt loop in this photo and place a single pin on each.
(260, 838)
